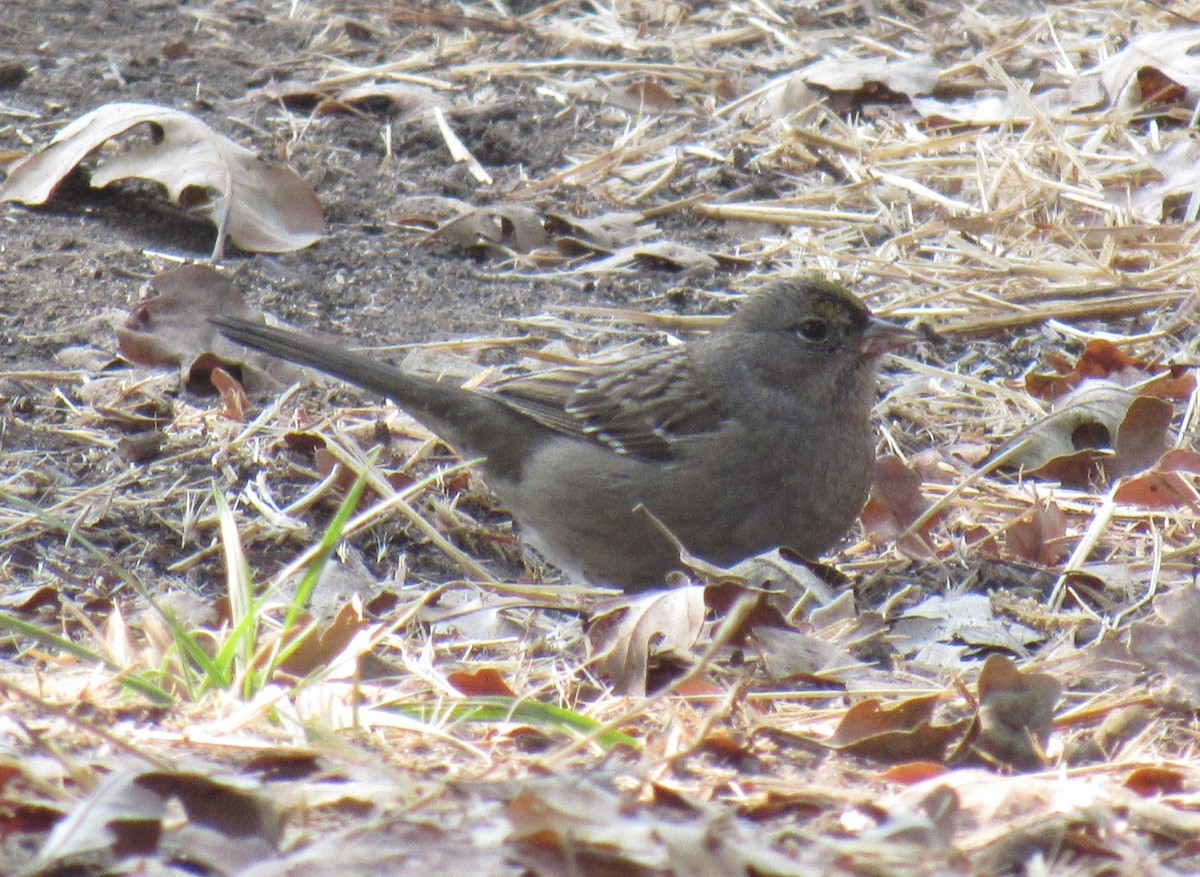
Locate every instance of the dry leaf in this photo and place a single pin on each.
(597, 234)
(644, 96)
(662, 255)
(1015, 714)
(1175, 197)
(874, 77)
(792, 656)
(1171, 644)
(226, 829)
(1039, 535)
(1098, 432)
(321, 645)
(894, 734)
(513, 227)
(624, 633)
(232, 393)
(1170, 62)
(1167, 485)
(399, 101)
(173, 328)
(895, 504)
(1100, 359)
(260, 208)
(939, 630)
(484, 682)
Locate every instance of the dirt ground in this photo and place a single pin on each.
(1013, 243)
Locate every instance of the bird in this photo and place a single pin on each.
(754, 436)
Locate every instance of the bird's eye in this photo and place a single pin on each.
(813, 330)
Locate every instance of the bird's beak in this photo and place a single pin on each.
(882, 337)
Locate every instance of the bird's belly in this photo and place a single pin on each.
(722, 512)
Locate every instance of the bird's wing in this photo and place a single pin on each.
(639, 408)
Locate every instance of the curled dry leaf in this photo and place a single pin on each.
(1100, 359)
(260, 208)
(663, 255)
(1015, 714)
(597, 234)
(1039, 535)
(233, 394)
(893, 734)
(172, 328)
(877, 77)
(623, 634)
(1170, 644)
(1155, 67)
(1170, 484)
(398, 100)
(895, 504)
(1098, 432)
(513, 227)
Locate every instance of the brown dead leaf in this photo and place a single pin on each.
(141, 447)
(1098, 432)
(399, 101)
(1016, 711)
(895, 503)
(486, 681)
(27, 601)
(1170, 484)
(226, 829)
(1039, 535)
(232, 393)
(320, 646)
(512, 227)
(895, 734)
(1157, 89)
(1177, 385)
(172, 328)
(1170, 644)
(1100, 359)
(259, 208)
(1155, 68)
(644, 96)
(1150, 781)
(626, 631)
(912, 772)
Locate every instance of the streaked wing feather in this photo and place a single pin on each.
(638, 409)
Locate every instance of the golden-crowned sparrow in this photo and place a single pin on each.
(754, 436)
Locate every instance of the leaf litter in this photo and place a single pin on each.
(1028, 196)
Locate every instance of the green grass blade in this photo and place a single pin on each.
(53, 641)
(511, 709)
